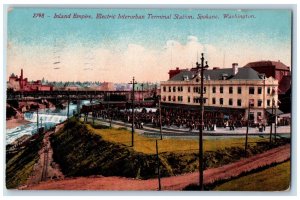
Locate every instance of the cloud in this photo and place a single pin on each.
(145, 63)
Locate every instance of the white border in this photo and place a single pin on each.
(165, 4)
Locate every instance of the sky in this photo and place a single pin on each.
(115, 50)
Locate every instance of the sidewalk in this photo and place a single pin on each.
(175, 131)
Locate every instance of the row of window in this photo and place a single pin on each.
(221, 89)
(214, 101)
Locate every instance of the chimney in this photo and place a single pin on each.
(21, 80)
(234, 68)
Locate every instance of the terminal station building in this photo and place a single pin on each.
(227, 92)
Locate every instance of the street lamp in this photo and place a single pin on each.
(133, 82)
(202, 67)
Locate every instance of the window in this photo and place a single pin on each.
(204, 90)
(251, 90)
(239, 102)
(259, 90)
(213, 100)
(189, 99)
(230, 102)
(221, 89)
(204, 101)
(169, 98)
(169, 89)
(174, 89)
(189, 89)
(251, 102)
(174, 98)
(251, 116)
(259, 102)
(196, 99)
(214, 89)
(197, 79)
(221, 101)
(196, 89)
(239, 90)
(269, 90)
(164, 88)
(268, 102)
(230, 90)
(180, 98)
(259, 116)
(164, 98)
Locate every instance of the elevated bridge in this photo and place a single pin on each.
(74, 95)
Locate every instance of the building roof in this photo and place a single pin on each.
(217, 74)
(276, 64)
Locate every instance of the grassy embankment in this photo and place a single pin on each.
(19, 165)
(275, 178)
(96, 149)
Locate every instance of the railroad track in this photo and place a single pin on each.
(45, 165)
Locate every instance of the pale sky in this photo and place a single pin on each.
(117, 49)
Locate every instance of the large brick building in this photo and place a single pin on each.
(277, 70)
(228, 90)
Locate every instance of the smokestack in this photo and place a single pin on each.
(235, 68)
(21, 80)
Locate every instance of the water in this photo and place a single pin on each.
(48, 118)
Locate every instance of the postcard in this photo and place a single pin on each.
(148, 99)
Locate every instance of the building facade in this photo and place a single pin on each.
(229, 90)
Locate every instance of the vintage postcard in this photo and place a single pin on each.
(148, 99)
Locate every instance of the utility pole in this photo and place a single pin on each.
(132, 111)
(160, 123)
(271, 126)
(247, 130)
(68, 112)
(142, 91)
(37, 118)
(275, 123)
(158, 164)
(202, 67)
(108, 111)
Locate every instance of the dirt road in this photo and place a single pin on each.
(275, 155)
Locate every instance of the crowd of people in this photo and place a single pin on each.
(179, 118)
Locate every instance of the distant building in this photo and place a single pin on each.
(227, 91)
(21, 84)
(277, 70)
(280, 72)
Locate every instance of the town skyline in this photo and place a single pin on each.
(107, 49)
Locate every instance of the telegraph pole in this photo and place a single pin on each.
(37, 118)
(247, 130)
(202, 67)
(132, 111)
(68, 113)
(160, 124)
(108, 111)
(158, 164)
(271, 127)
(275, 124)
(142, 91)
